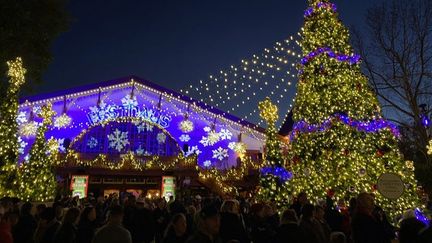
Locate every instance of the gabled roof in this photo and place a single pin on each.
(119, 81)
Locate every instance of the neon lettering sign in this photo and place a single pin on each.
(104, 112)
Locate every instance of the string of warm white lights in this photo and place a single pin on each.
(239, 88)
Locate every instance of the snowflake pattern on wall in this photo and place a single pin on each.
(211, 139)
(186, 126)
(192, 150)
(239, 147)
(207, 163)
(37, 110)
(184, 138)
(129, 102)
(118, 140)
(21, 118)
(144, 126)
(225, 134)
(161, 138)
(220, 153)
(140, 151)
(102, 112)
(207, 129)
(92, 142)
(22, 145)
(61, 147)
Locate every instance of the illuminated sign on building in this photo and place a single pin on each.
(168, 187)
(104, 112)
(79, 185)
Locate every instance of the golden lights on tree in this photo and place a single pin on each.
(340, 144)
(9, 128)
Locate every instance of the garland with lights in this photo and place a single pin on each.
(364, 126)
(9, 129)
(332, 159)
(220, 181)
(129, 161)
(351, 59)
(272, 178)
(37, 178)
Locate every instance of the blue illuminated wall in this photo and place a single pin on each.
(165, 123)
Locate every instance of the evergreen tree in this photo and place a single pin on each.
(9, 128)
(273, 175)
(340, 143)
(37, 178)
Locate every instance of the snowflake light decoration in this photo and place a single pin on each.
(118, 140)
(161, 138)
(61, 147)
(144, 126)
(213, 137)
(192, 150)
(220, 153)
(37, 110)
(129, 101)
(140, 151)
(102, 112)
(204, 141)
(225, 134)
(92, 142)
(186, 126)
(207, 129)
(21, 118)
(184, 138)
(238, 147)
(62, 121)
(207, 163)
(22, 145)
(29, 129)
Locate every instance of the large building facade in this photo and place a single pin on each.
(132, 135)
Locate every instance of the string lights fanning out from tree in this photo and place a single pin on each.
(238, 89)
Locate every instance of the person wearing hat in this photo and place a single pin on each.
(208, 224)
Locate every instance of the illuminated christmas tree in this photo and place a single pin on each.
(340, 143)
(273, 175)
(37, 178)
(9, 128)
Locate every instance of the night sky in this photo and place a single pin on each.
(172, 43)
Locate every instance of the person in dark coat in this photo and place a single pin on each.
(312, 228)
(289, 229)
(143, 225)
(410, 229)
(365, 227)
(231, 226)
(113, 231)
(208, 226)
(260, 227)
(23, 231)
(87, 225)
(299, 203)
(8, 220)
(47, 226)
(67, 233)
(176, 230)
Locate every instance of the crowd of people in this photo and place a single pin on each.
(200, 220)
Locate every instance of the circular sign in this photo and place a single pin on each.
(390, 185)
